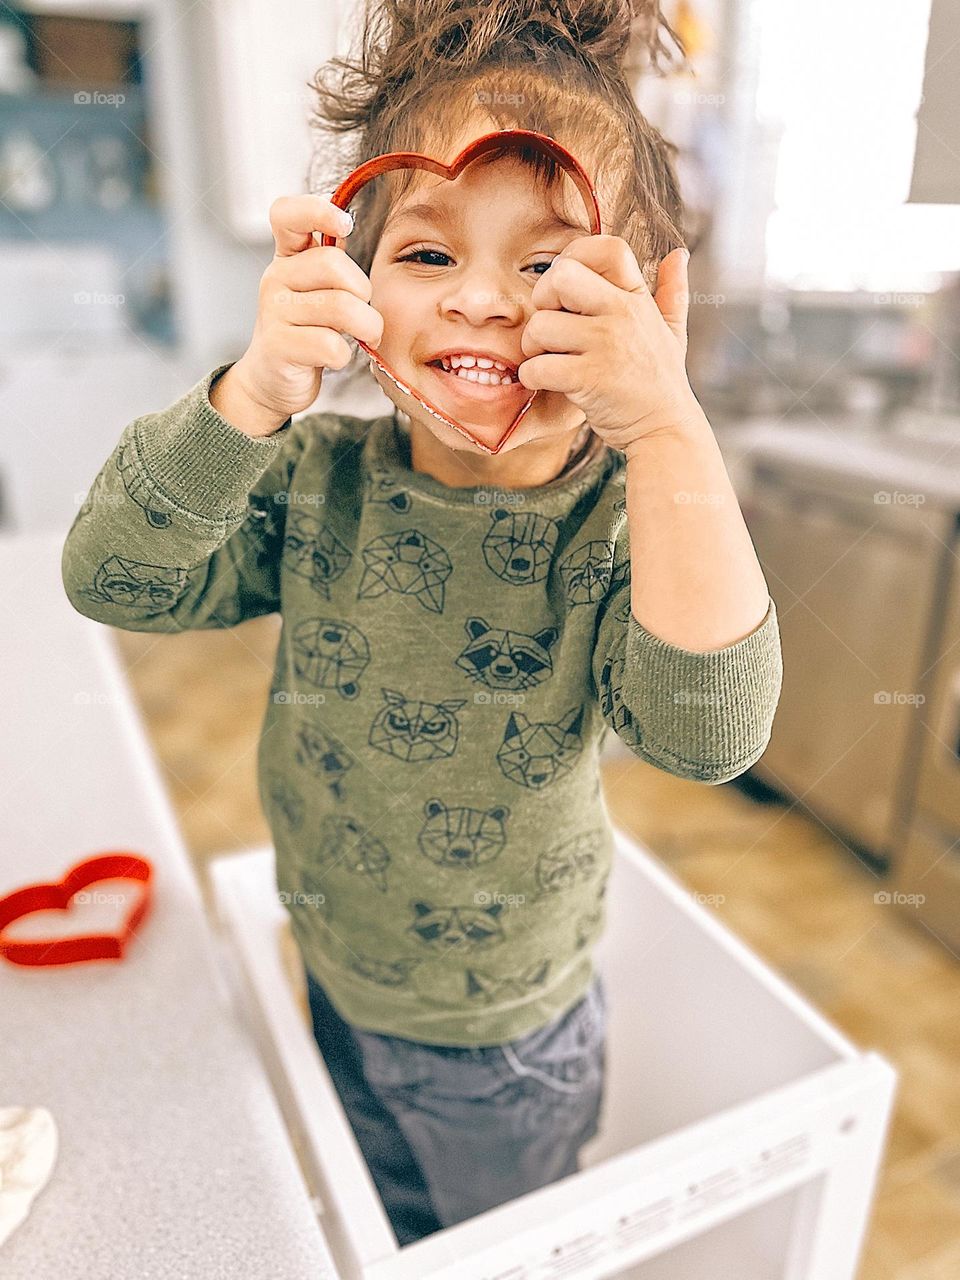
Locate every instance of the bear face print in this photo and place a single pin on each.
(330, 654)
(462, 837)
(519, 545)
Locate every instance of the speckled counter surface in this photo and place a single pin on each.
(173, 1160)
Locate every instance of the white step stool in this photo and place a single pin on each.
(741, 1136)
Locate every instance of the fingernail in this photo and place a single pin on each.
(346, 221)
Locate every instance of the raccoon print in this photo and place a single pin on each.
(347, 843)
(566, 863)
(586, 572)
(413, 731)
(488, 988)
(330, 654)
(313, 551)
(139, 491)
(519, 545)
(136, 585)
(461, 928)
(324, 755)
(462, 837)
(408, 563)
(386, 973)
(534, 754)
(382, 486)
(506, 659)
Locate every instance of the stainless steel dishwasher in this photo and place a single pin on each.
(857, 566)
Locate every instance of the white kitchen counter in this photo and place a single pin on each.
(173, 1158)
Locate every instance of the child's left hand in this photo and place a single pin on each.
(602, 339)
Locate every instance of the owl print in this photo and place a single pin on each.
(135, 585)
(413, 731)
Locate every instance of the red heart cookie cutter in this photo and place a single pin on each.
(44, 897)
(414, 160)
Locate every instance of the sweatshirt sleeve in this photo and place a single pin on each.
(183, 525)
(705, 716)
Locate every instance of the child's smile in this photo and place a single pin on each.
(452, 277)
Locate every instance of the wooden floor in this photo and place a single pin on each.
(777, 878)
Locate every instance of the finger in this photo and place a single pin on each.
(610, 257)
(673, 293)
(334, 308)
(572, 285)
(551, 372)
(316, 348)
(322, 267)
(294, 219)
(559, 331)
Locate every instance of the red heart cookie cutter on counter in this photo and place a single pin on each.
(372, 168)
(115, 865)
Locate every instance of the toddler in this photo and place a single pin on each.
(460, 627)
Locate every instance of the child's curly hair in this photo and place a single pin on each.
(423, 67)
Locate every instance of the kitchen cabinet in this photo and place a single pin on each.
(855, 581)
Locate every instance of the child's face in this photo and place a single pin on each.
(472, 260)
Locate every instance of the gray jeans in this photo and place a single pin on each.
(449, 1132)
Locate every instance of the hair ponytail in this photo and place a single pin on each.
(555, 66)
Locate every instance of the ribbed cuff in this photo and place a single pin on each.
(199, 460)
(706, 713)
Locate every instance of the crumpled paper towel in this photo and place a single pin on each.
(28, 1152)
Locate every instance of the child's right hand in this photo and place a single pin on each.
(308, 294)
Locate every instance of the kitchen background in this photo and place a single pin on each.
(141, 145)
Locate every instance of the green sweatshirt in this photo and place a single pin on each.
(448, 663)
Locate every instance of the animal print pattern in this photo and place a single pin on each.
(409, 563)
(413, 731)
(331, 654)
(568, 862)
(313, 551)
(519, 546)
(462, 837)
(139, 491)
(506, 659)
(136, 585)
(536, 754)
(324, 755)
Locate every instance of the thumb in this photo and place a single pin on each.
(673, 293)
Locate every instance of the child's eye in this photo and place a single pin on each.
(418, 255)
